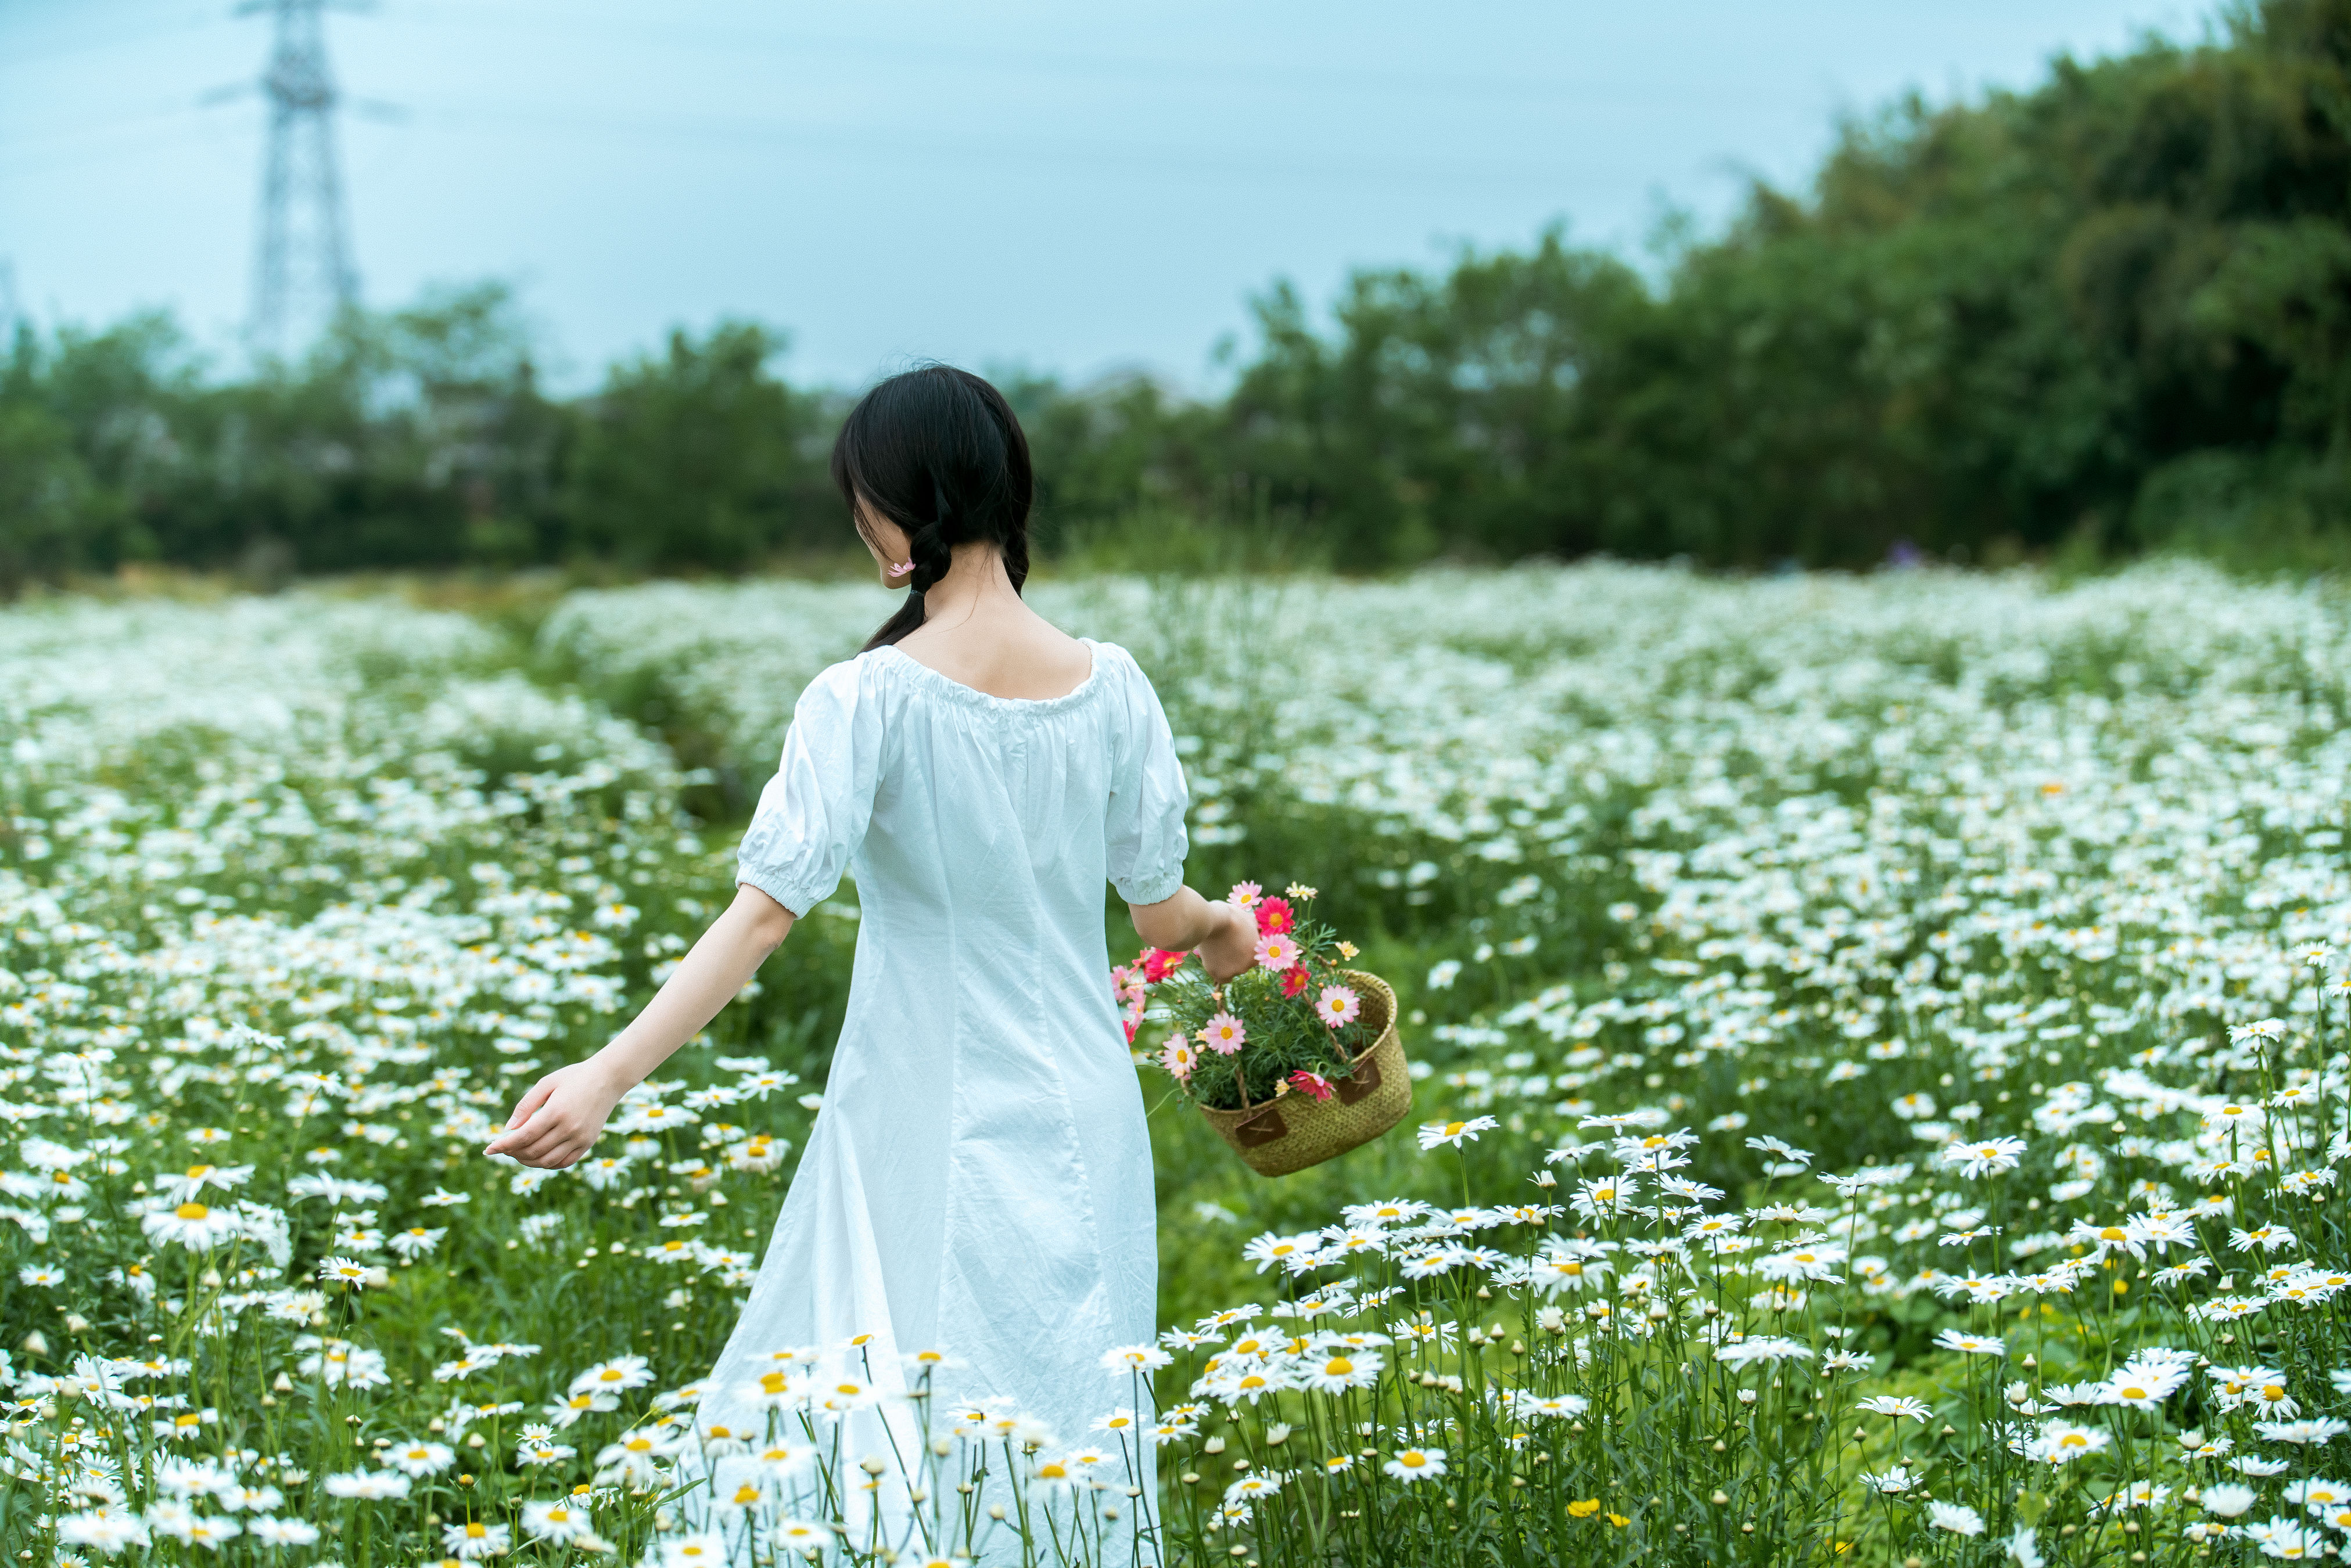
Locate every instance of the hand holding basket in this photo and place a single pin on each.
(1294, 1060)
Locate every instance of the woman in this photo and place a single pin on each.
(978, 1181)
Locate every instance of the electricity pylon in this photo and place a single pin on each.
(302, 273)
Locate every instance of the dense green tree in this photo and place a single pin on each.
(699, 458)
(1124, 445)
(1463, 411)
(46, 499)
(411, 439)
(2114, 308)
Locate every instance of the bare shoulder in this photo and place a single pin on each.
(1017, 655)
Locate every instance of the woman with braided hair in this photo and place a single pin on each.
(979, 1180)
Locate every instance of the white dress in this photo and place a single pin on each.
(978, 1177)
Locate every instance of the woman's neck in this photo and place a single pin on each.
(976, 575)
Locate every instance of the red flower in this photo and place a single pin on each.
(1293, 979)
(1273, 915)
(1158, 963)
(1313, 1084)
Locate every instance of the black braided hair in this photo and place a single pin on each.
(930, 547)
(937, 451)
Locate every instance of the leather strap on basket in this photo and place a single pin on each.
(1261, 1130)
(1359, 1082)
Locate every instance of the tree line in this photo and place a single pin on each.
(2108, 313)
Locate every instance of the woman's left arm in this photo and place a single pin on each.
(561, 1116)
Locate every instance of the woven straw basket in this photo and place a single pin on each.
(1293, 1131)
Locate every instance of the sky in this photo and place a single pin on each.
(1074, 186)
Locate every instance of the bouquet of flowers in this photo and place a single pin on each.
(1292, 1024)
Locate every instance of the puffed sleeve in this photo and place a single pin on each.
(1143, 831)
(813, 812)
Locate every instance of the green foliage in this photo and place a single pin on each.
(2108, 316)
(698, 459)
(1453, 410)
(45, 494)
(413, 438)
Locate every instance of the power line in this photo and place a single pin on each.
(669, 29)
(140, 139)
(926, 147)
(457, 118)
(147, 31)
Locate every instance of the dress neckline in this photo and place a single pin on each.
(973, 696)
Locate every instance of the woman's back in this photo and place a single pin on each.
(1003, 648)
(971, 817)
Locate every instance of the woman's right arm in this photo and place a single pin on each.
(558, 1120)
(1224, 935)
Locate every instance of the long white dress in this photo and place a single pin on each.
(978, 1177)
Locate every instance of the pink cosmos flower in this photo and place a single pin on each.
(1223, 1034)
(1244, 894)
(1179, 1058)
(1338, 1005)
(1275, 951)
(1313, 1084)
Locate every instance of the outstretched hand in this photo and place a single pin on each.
(1232, 947)
(561, 1119)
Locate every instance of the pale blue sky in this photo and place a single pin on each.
(1079, 185)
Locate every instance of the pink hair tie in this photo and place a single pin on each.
(901, 568)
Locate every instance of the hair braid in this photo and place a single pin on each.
(1016, 559)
